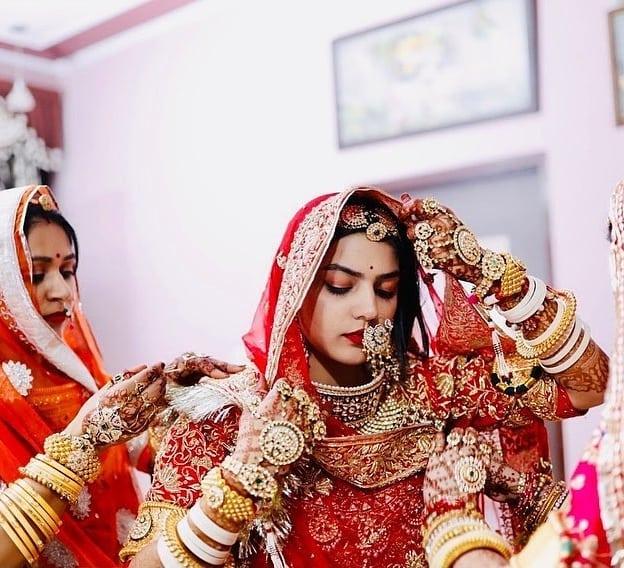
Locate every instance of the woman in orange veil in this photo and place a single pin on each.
(44, 380)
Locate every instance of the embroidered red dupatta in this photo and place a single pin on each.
(364, 507)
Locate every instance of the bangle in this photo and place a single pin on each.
(18, 515)
(48, 512)
(484, 538)
(167, 559)
(174, 545)
(530, 304)
(16, 538)
(559, 330)
(33, 514)
(225, 500)
(76, 453)
(574, 358)
(20, 534)
(39, 470)
(211, 529)
(199, 548)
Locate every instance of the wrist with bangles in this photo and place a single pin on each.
(449, 535)
(66, 466)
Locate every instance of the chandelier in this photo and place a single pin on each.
(23, 153)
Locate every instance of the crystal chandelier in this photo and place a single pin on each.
(23, 154)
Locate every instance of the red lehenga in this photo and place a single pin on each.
(44, 380)
(358, 502)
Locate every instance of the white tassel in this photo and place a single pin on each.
(212, 399)
(503, 369)
(274, 551)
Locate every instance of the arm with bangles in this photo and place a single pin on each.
(31, 507)
(547, 329)
(456, 534)
(272, 433)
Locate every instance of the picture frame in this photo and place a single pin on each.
(616, 33)
(468, 62)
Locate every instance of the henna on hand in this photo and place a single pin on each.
(189, 368)
(126, 408)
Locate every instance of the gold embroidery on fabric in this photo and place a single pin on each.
(369, 461)
(148, 525)
(541, 399)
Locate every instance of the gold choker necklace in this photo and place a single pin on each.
(353, 405)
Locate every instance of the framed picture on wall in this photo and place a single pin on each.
(616, 26)
(464, 63)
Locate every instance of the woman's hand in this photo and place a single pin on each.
(123, 408)
(441, 240)
(189, 368)
(269, 407)
(465, 464)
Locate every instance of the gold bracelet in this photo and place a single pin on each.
(226, 501)
(55, 520)
(20, 535)
(76, 453)
(16, 540)
(542, 349)
(21, 500)
(482, 539)
(175, 545)
(25, 523)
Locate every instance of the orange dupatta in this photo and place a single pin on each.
(44, 380)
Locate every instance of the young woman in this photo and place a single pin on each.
(315, 454)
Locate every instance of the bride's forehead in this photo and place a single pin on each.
(357, 251)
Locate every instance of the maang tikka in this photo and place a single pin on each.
(379, 349)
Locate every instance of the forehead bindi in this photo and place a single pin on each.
(362, 255)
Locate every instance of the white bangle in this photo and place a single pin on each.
(211, 529)
(573, 358)
(567, 346)
(167, 559)
(530, 304)
(198, 547)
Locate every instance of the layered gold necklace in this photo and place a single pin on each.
(354, 406)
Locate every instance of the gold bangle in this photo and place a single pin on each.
(21, 500)
(15, 539)
(61, 469)
(45, 506)
(20, 533)
(545, 347)
(52, 479)
(482, 539)
(224, 500)
(175, 545)
(76, 453)
(66, 485)
(25, 523)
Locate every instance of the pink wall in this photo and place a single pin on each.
(191, 143)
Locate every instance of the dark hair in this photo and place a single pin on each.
(408, 300)
(37, 214)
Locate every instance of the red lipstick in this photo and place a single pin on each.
(56, 318)
(355, 337)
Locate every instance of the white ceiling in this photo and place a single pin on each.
(40, 24)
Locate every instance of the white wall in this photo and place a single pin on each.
(191, 141)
